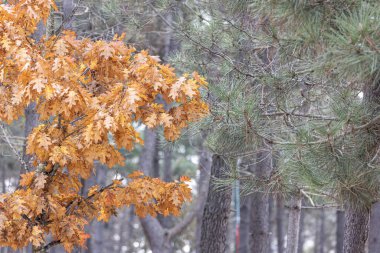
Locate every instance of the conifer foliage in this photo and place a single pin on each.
(88, 94)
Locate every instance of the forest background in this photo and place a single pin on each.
(287, 160)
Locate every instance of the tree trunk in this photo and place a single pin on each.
(148, 161)
(301, 240)
(271, 222)
(355, 229)
(262, 169)
(279, 224)
(294, 223)
(322, 234)
(68, 7)
(97, 228)
(38, 251)
(31, 121)
(203, 185)
(374, 229)
(216, 211)
(125, 229)
(245, 225)
(3, 180)
(340, 231)
(259, 223)
(317, 234)
(166, 175)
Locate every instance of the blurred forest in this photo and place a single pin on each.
(287, 161)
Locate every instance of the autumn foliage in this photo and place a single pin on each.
(88, 95)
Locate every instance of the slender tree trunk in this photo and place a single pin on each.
(339, 231)
(271, 222)
(216, 212)
(168, 164)
(245, 225)
(68, 7)
(322, 234)
(203, 185)
(355, 229)
(374, 229)
(294, 223)
(154, 232)
(3, 180)
(97, 228)
(279, 224)
(317, 234)
(301, 240)
(259, 223)
(166, 175)
(148, 161)
(262, 169)
(31, 121)
(125, 229)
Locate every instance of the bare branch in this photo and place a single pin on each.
(10, 144)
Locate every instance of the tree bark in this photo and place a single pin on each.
(356, 229)
(156, 235)
(68, 8)
(216, 211)
(279, 225)
(168, 165)
(339, 231)
(148, 161)
(166, 175)
(97, 228)
(245, 225)
(271, 222)
(31, 121)
(203, 185)
(301, 240)
(294, 223)
(322, 234)
(374, 229)
(3, 180)
(262, 169)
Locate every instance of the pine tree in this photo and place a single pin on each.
(315, 102)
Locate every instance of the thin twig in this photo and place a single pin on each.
(7, 139)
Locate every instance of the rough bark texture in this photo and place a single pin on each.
(356, 229)
(216, 211)
(294, 223)
(339, 231)
(262, 169)
(374, 229)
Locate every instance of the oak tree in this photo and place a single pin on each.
(89, 96)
